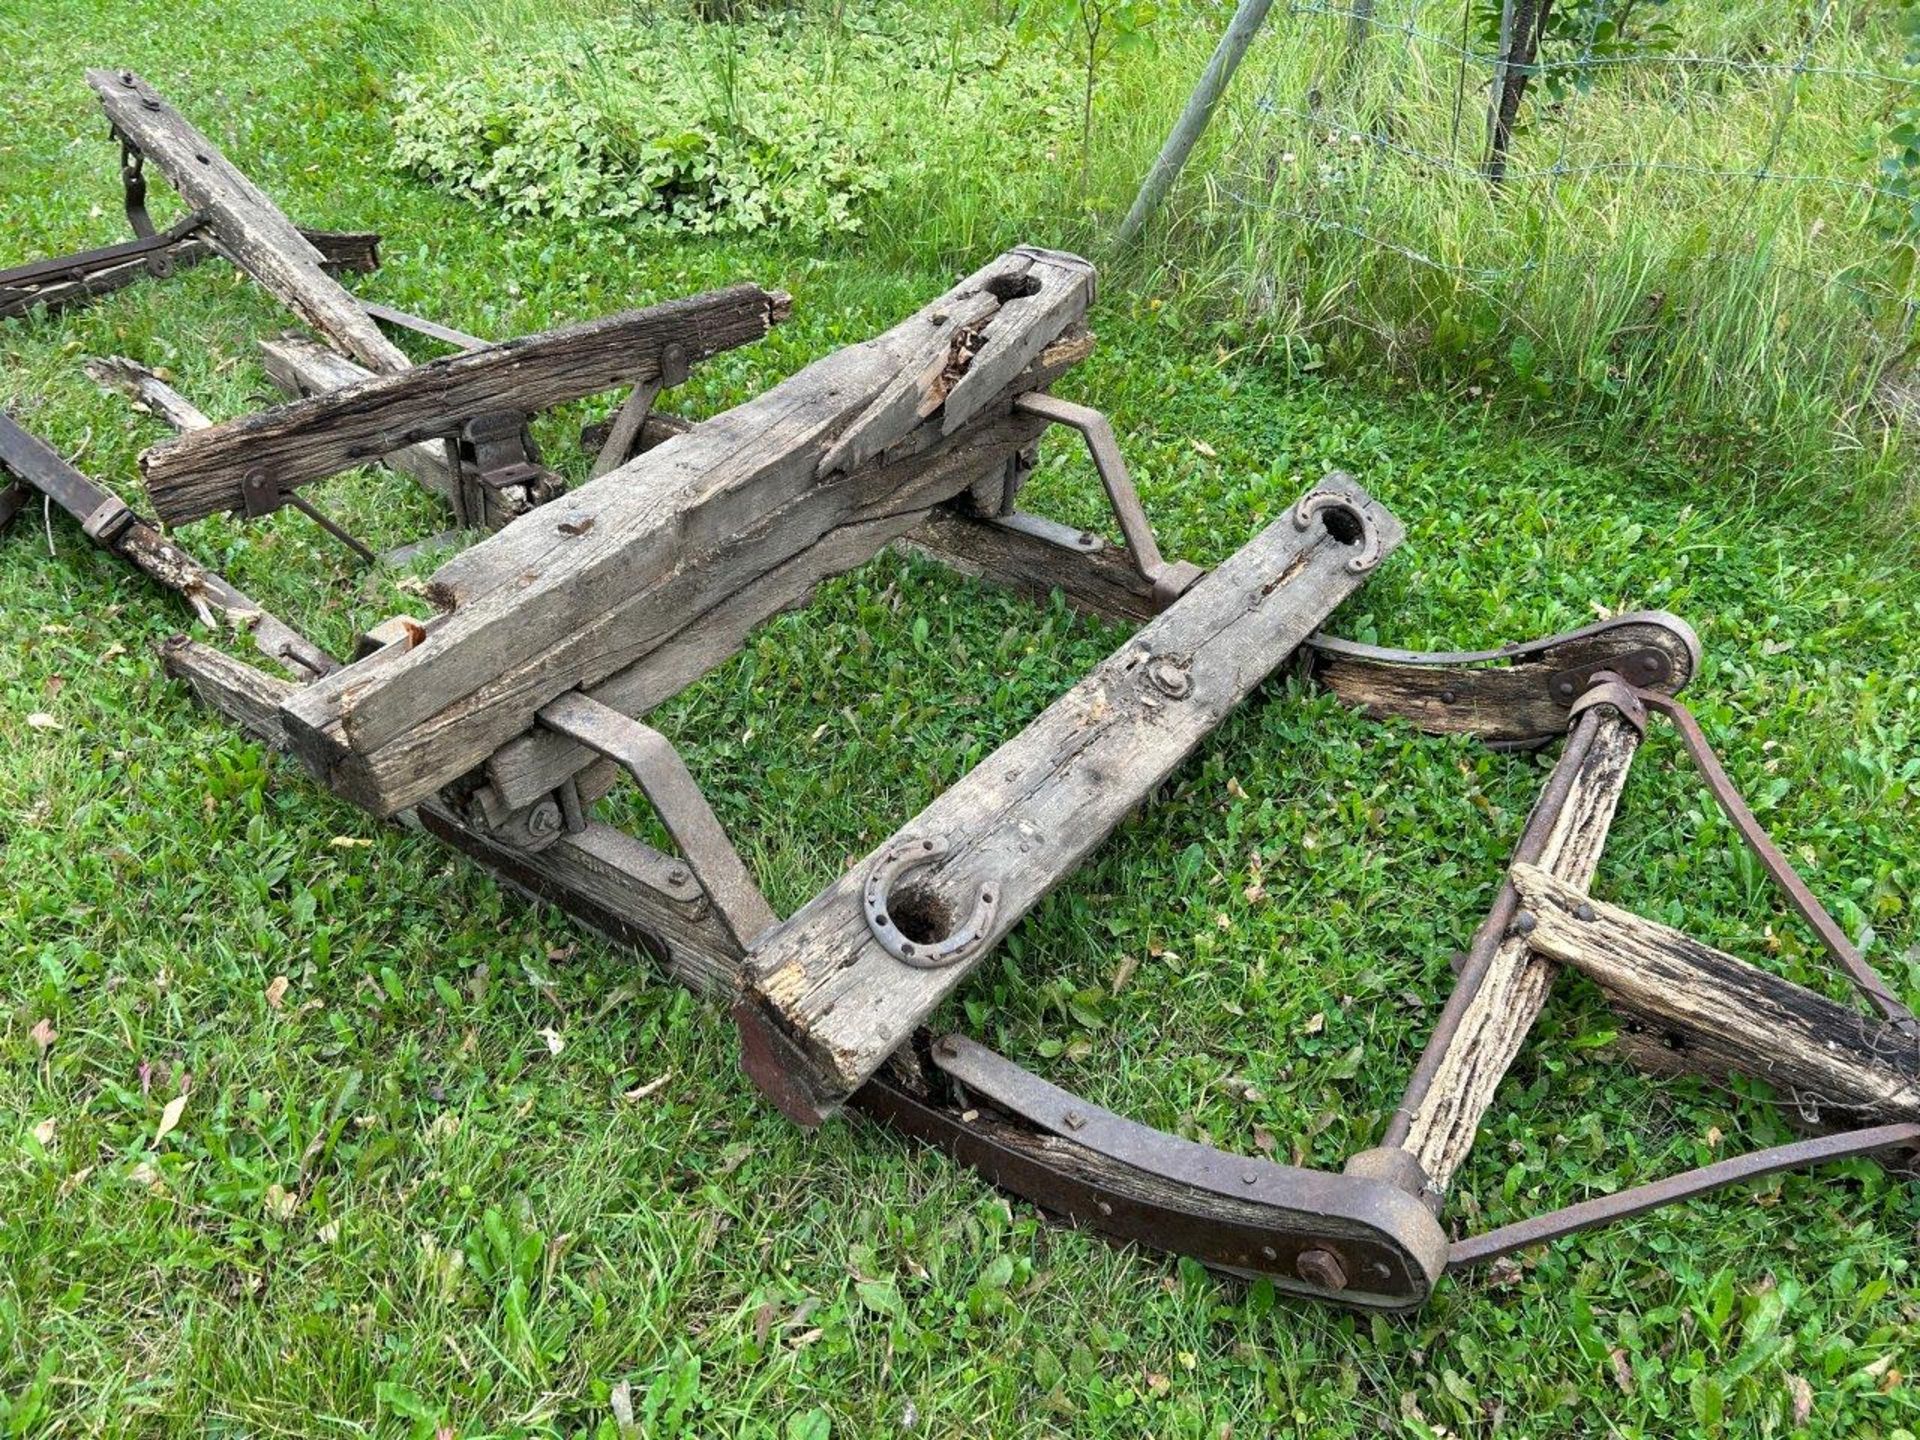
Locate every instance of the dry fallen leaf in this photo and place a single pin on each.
(1315, 1023)
(1622, 1371)
(277, 992)
(280, 1202)
(43, 1035)
(1802, 1394)
(1204, 448)
(40, 720)
(555, 1043)
(170, 1117)
(641, 1092)
(43, 1132)
(145, 1174)
(349, 842)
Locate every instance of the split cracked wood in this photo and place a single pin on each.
(572, 594)
(1499, 1014)
(301, 366)
(823, 989)
(1832, 1065)
(250, 228)
(203, 473)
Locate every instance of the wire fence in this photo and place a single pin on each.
(1750, 190)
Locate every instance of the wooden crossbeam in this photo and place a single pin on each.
(251, 229)
(1835, 1065)
(574, 593)
(825, 988)
(200, 474)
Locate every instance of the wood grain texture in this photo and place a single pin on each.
(249, 227)
(146, 390)
(302, 366)
(1833, 1066)
(202, 473)
(1502, 1011)
(1035, 557)
(1025, 817)
(570, 595)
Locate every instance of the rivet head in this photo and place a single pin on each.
(1250, 1177)
(1447, 697)
(1169, 679)
(948, 1047)
(1105, 1208)
(1075, 1120)
(1583, 911)
(1322, 1268)
(1524, 923)
(677, 877)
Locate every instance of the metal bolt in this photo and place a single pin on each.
(1075, 1120)
(1564, 689)
(1105, 1208)
(1524, 923)
(677, 876)
(1267, 1252)
(1169, 679)
(1322, 1268)
(1583, 911)
(1447, 697)
(948, 1046)
(1250, 1177)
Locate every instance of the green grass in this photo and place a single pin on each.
(388, 1203)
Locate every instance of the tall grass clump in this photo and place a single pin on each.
(1696, 236)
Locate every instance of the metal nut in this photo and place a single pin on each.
(1322, 1268)
(1169, 679)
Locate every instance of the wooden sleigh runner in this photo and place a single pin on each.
(499, 723)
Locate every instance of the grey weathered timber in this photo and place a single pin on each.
(200, 474)
(1034, 556)
(301, 366)
(1832, 1065)
(1500, 1013)
(619, 886)
(524, 769)
(243, 694)
(112, 525)
(567, 596)
(835, 526)
(146, 390)
(250, 228)
(1024, 818)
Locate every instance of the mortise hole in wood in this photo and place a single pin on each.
(1344, 526)
(920, 914)
(1011, 287)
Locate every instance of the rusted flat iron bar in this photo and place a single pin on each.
(1622, 1205)
(1864, 977)
(110, 523)
(75, 267)
(432, 329)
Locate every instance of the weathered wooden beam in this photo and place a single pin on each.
(302, 366)
(610, 882)
(1833, 1065)
(1023, 819)
(566, 597)
(531, 765)
(1034, 556)
(146, 390)
(111, 524)
(250, 228)
(1491, 1014)
(201, 474)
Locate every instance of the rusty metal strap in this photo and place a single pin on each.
(76, 267)
(1835, 940)
(1624, 1204)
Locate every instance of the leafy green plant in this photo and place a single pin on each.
(1097, 30)
(756, 122)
